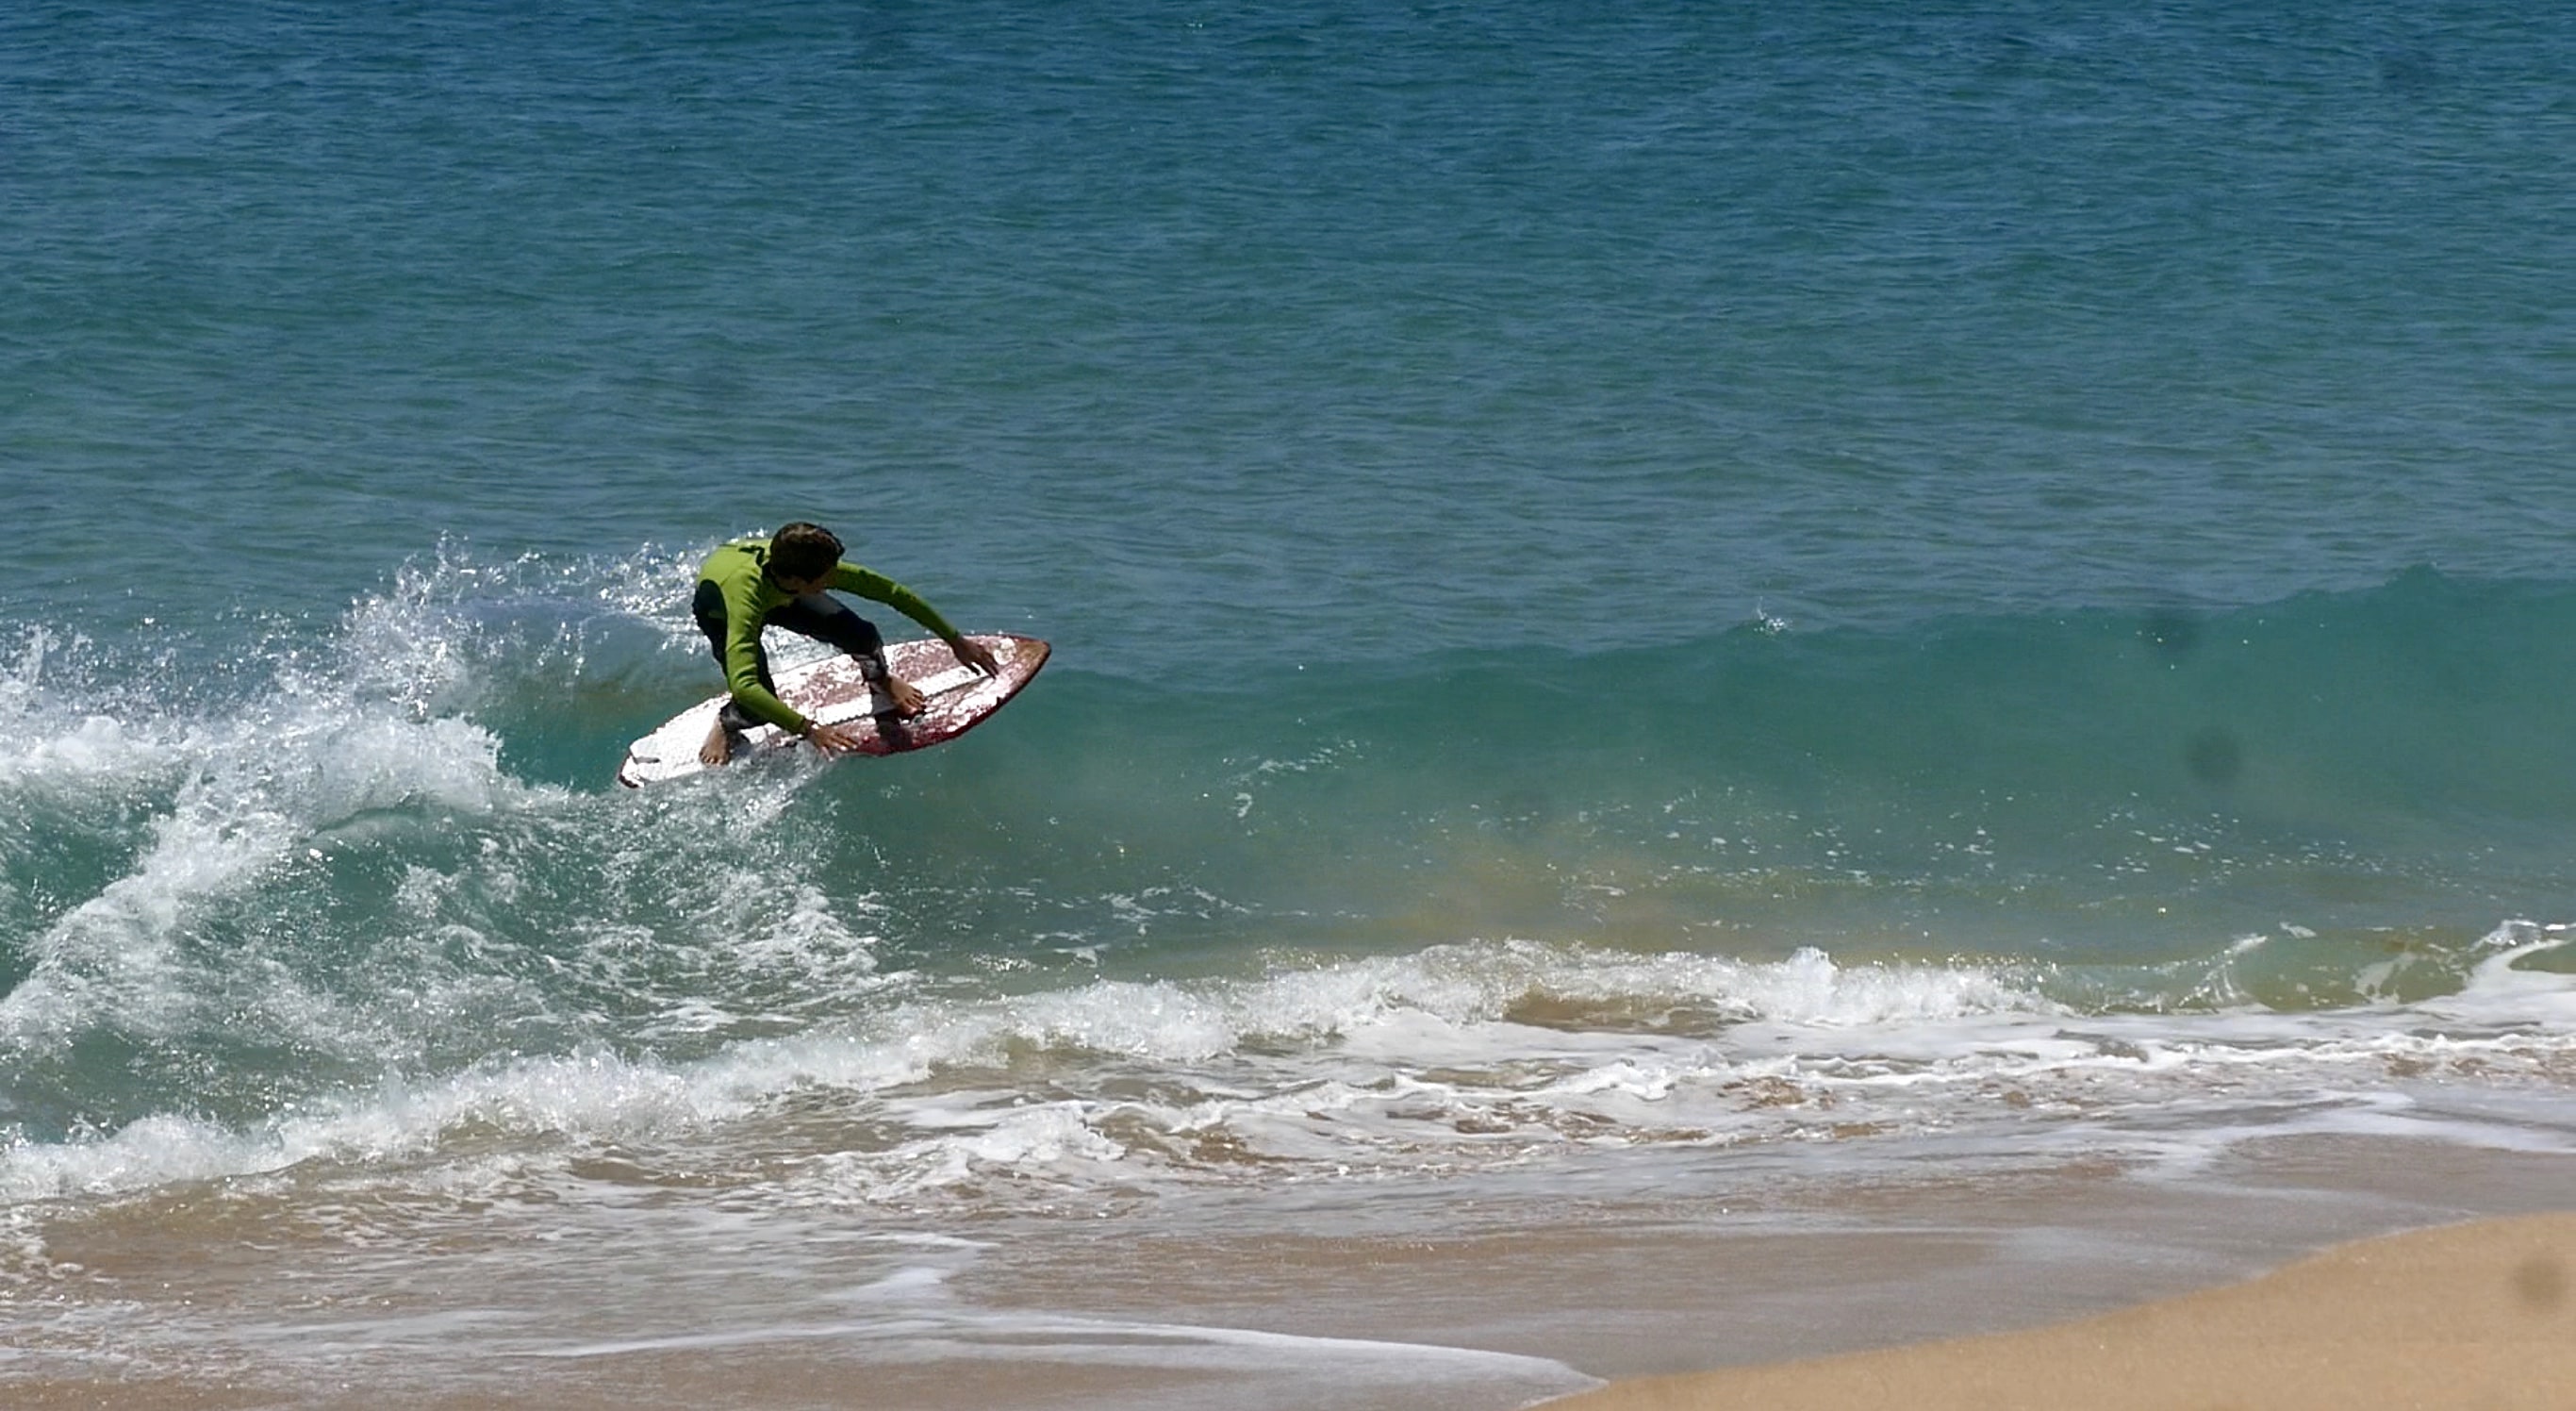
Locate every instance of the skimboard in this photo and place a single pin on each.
(955, 699)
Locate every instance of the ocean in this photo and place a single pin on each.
(1729, 681)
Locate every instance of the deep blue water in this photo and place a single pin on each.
(1204, 336)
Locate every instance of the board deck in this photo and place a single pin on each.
(956, 698)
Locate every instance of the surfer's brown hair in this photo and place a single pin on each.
(803, 551)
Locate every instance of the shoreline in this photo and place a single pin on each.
(2479, 1314)
(1788, 1269)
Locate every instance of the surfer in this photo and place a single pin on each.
(780, 581)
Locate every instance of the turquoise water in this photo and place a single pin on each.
(1595, 560)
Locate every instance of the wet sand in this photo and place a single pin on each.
(2477, 1315)
(1943, 1285)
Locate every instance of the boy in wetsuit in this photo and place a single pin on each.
(780, 581)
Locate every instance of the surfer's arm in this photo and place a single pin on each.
(876, 587)
(742, 663)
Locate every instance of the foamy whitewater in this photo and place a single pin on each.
(1671, 631)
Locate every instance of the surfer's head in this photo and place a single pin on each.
(801, 552)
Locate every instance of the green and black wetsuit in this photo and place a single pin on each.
(736, 598)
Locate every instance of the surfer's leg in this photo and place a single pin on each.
(723, 735)
(827, 619)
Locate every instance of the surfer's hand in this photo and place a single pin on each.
(832, 739)
(975, 654)
(906, 696)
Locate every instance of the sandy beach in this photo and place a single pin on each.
(2473, 1315)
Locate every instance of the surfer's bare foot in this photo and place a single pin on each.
(718, 748)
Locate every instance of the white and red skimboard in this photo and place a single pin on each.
(955, 699)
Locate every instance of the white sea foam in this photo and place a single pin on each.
(95, 747)
(214, 803)
(1409, 1059)
(1260, 1368)
(253, 793)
